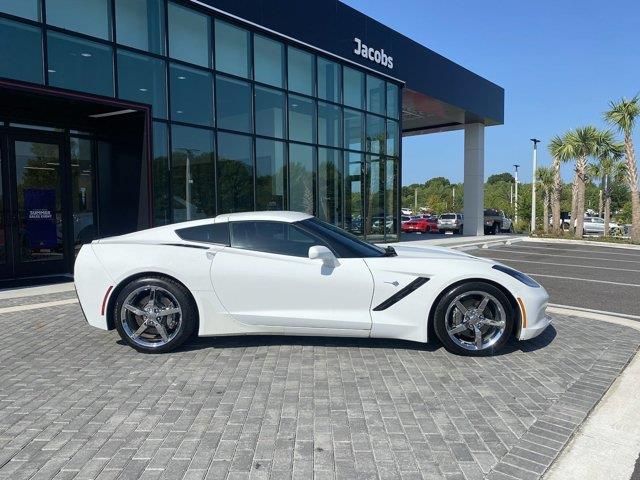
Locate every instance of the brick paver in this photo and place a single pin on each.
(76, 403)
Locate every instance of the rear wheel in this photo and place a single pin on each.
(154, 314)
(474, 319)
(496, 229)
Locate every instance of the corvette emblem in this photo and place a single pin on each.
(394, 283)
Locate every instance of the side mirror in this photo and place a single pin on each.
(320, 252)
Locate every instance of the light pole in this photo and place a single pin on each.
(516, 196)
(533, 184)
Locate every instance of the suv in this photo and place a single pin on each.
(495, 221)
(450, 222)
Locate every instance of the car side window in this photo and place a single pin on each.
(217, 233)
(272, 237)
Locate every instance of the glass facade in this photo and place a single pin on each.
(242, 119)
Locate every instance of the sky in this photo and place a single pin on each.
(560, 62)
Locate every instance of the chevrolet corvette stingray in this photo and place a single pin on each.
(288, 273)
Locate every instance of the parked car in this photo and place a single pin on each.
(451, 222)
(423, 225)
(289, 273)
(596, 226)
(406, 211)
(405, 218)
(495, 221)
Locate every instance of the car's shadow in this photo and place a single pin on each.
(241, 341)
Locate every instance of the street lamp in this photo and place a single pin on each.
(533, 184)
(516, 209)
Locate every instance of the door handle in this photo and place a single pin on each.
(211, 255)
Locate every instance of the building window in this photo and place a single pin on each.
(393, 134)
(376, 134)
(143, 79)
(270, 175)
(302, 178)
(376, 222)
(353, 198)
(78, 64)
(329, 125)
(376, 88)
(191, 95)
(91, 17)
(235, 173)
(233, 104)
(268, 58)
(161, 175)
(84, 230)
(140, 24)
(189, 35)
(270, 112)
(301, 68)
(20, 51)
(302, 115)
(192, 173)
(353, 129)
(232, 50)
(353, 88)
(393, 97)
(330, 183)
(391, 198)
(29, 9)
(329, 80)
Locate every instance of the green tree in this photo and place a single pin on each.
(501, 177)
(608, 169)
(623, 115)
(546, 180)
(560, 151)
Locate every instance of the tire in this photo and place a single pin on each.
(464, 341)
(141, 331)
(496, 229)
(440, 230)
(511, 228)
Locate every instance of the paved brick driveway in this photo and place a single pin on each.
(77, 403)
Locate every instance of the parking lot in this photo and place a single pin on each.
(585, 276)
(76, 403)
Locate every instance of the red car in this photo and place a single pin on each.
(423, 225)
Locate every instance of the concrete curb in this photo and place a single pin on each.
(34, 291)
(581, 242)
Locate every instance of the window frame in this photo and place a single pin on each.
(211, 225)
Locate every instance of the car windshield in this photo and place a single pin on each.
(448, 216)
(343, 243)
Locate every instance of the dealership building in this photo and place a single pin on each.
(118, 115)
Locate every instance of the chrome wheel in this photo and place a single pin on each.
(475, 320)
(151, 316)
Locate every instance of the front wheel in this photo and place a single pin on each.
(474, 319)
(154, 314)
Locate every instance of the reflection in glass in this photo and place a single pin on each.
(189, 35)
(301, 68)
(191, 95)
(330, 182)
(301, 178)
(393, 100)
(353, 129)
(270, 117)
(375, 134)
(302, 119)
(233, 104)
(329, 75)
(268, 57)
(192, 173)
(143, 79)
(270, 175)
(232, 49)
(376, 88)
(329, 125)
(353, 88)
(376, 223)
(22, 8)
(3, 228)
(391, 199)
(235, 173)
(78, 64)
(20, 51)
(84, 228)
(39, 201)
(353, 200)
(91, 17)
(140, 24)
(392, 138)
(161, 175)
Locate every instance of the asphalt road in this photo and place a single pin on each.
(584, 276)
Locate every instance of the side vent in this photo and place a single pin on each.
(392, 300)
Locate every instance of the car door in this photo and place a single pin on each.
(266, 278)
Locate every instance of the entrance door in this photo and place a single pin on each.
(34, 223)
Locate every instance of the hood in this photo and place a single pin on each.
(434, 252)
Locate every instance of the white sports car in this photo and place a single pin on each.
(288, 273)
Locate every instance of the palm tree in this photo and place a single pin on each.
(560, 151)
(608, 169)
(545, 177)
(623, 115)
(584, 143)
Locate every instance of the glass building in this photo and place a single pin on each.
(123, 114)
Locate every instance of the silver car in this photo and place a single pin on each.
(595, 226)
(452, 222)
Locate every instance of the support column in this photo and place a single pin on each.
(474, 179)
